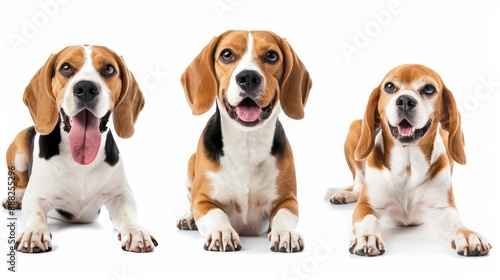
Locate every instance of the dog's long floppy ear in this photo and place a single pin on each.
(40, 99)
(451, 122)
(199, 80)
(296, 83)
(129, 104)
(371, 121)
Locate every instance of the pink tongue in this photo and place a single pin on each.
(84, 137)
(248, 113)
(405, 130)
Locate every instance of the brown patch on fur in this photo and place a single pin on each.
(286, 185)
(437, 166)
(451, 197)
(362, 208)
(20, 145)
(350, 144)
(198, 166)
(371, 121)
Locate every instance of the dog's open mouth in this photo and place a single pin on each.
(248, 113)
(84, 131)
(405, 132)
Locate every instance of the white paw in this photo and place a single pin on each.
(344, 197)
(367, 245)
(285, 241)
(34, 240)
(15, 202)
(137, 239)
(224, 240)
(469, 243)
(187, 222)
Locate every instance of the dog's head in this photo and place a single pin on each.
(82, 86)
(408, 105)
(250, 73)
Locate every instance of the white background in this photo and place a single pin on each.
(158, 39)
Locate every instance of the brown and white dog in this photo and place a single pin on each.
(68, 165)
(401, 157)
(242, 176)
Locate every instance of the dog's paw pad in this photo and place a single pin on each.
(367, 245)
(226, 240)
(136, 239)
(285, 241)
(187, 222)
(468, 243)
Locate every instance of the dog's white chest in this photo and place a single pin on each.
(78, 190)
(246, 192)
(406, 191)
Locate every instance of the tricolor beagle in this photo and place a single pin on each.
(68, 166)
(401, 157)
(242, 176)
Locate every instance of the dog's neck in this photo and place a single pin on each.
(252, 145)
(425, 153)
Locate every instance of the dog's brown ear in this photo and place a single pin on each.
(296, 83)
(199, 80)
(451, 122)
(40, 99)
(371, 121)
(129, 104)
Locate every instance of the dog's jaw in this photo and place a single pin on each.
(247, 113)
(406, 133)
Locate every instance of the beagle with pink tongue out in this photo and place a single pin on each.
(401, 156)
(84, 137)
(68, 166)
(242, 176)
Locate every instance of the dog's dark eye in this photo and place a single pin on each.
(108, 71)
(272, 57)
(226, 55)
(66, 70)
(390, 88)
(428, 89)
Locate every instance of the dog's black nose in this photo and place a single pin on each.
(249, 80)
(406, 103)
(85, 90)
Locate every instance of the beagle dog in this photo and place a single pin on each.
(242, 176)
(67, 166)
(401, 157)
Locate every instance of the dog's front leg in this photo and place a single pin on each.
(465, 241)
(367, 240)
(283, 236)
(214, 225)
(122, 211)
(36, 237)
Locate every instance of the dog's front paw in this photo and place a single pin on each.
(34, 240)
(224, 240)
(344, 197)
(285, 241)
(469, 243)
(367, 245)
(187, 222)
(137, 239)
(15, 202)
